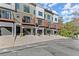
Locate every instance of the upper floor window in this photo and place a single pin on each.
(55, 19)
(26, 8)
(39, 22)
(48, 17)
(52, 18)
(5, 14)
(40, 13)
(26, 19)
(0, 13)
(34, 12)
(17, 6)
(44, 15)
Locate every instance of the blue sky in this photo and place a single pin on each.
(65, 10)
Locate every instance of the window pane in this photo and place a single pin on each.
(40, 13)
(55, 19)
(39, 22)
(34, 12)
(26, 19)
(44, 15)
(17, 6)
(26, 9)
(48, 17)
(5, 30)
(0, 13)
(6, 14)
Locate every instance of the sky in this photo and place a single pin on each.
(67, 11)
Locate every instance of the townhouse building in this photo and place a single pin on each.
(7, 21)
(52, 19)
(39, 20)
(33, 19)
(25, 18)
(48, 17)
(55, 23)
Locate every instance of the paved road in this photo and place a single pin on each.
(52, 48)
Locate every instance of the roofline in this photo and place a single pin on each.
(35, 4)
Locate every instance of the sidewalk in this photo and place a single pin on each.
(14, 49)
(28, 41)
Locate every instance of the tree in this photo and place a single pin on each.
(68, 29)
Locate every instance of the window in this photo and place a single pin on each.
(17, 30)
(26, 19)
(39, 22)
(55, 19)
(26, 9)
(40, 13)
(48, 17)
(44, 15)
(5, 14)
(17, 6)
(5, 30)
(26, 31)
(34, 12)
(0, 13)
(52, 18)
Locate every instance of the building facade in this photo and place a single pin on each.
(33, 19)
(27, 19)
(7, 21)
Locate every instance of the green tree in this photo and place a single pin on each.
(68, 29)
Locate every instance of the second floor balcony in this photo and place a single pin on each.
(6, 16)
(45, 23)
(28, 20)
(54, 25)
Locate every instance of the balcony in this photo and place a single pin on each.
(54, 25)
(28, 21)
(6, 20)
(45, 23)
(51, 26)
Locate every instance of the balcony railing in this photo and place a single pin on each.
(7, 20)
(29, 21)
(45, 23)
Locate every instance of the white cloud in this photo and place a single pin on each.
(49, 6)
(52, 4)
(76, 7)
(68, 12)
(54, 11)
(65, 12)
(67, 18)
(67, 6)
